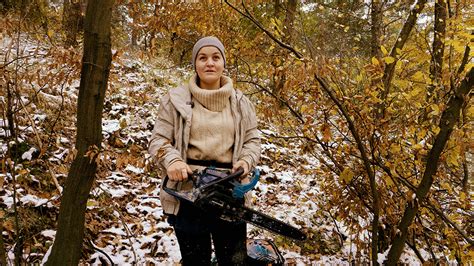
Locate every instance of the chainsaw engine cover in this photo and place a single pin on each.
(209, 176)
(263, 252)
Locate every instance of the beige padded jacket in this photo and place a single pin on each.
(170, 137)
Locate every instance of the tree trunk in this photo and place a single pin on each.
(438, 44)
(278, 8)
(14, 4)
(279, 77)
(3, 256)
(96, 61)
(376, 29)
(399, 44)
(289, 21)
(465, 179)
(376, 34)
(10, 112)
(448, 119)
(71, 21)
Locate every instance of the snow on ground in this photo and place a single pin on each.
(136, 231)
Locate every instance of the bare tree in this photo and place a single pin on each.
(96, 61)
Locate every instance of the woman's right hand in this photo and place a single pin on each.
(178, 171)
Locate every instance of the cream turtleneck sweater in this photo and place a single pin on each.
(212, 125)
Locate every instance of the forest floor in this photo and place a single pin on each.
(124, 221)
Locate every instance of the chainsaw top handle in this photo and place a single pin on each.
(223, 178)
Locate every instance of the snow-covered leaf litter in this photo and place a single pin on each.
(159, 243)
(137, 231)
(152, 239)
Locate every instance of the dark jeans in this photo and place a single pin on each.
(195, 229)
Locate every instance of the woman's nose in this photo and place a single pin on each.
(210, 62)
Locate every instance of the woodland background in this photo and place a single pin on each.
(364, 108)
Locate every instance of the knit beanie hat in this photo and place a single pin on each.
(207, 41)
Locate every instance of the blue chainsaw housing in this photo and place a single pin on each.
(240, 189)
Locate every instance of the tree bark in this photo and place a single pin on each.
(376, 29)
(3, 257)
(438, 44)
(465, 170)
(96, 61)
(448, 119)
(10, 112)
(279, 76)
(289, 21)
(399, 44)
(71, 21)
(376, 35)
(278, 8)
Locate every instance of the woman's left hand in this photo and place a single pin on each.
(244, 166)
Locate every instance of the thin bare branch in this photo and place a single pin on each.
(366, 163)
(428, 204)
(249, 16)
(284, 102)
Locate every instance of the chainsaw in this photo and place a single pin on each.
(220, 193)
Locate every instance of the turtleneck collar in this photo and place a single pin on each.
(213, 100)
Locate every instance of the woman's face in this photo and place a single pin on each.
(209, 67)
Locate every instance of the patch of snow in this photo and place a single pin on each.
(110, 126)
(169, 245)
(39, 118)
(131, 209)
(29, 154)
(117, 176)
(46, 256)
(63, 140)
(60, 154)
(7, 199)
(117, 192)
(381, 257)
(115, 231)
(286, 177)
(270, 147)
(285, 198)
(49, 233)
(117, 108)
(288, 255)
(308, 7)
(33, 200)
(163, 225)
(133, 169)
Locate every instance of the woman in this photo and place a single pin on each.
(205, 122)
